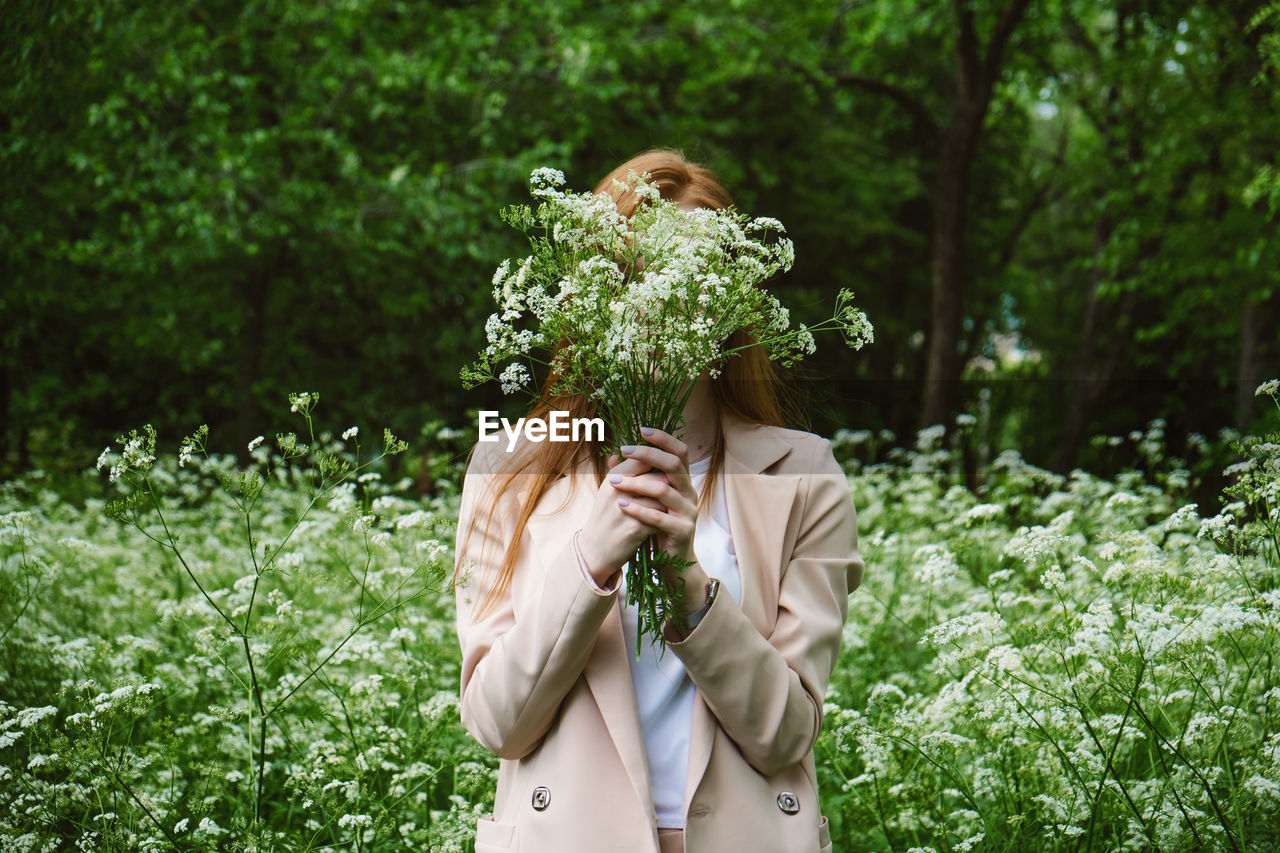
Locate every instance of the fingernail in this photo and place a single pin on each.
(614, 478)
(646, 430)
(627, 449)
(623, 502)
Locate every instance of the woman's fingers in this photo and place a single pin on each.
(641, 500)
(656, 457)
(632, 469)
(666, 441)
(667, 453)
(629, 467)
(664, 451)
(656, 486)
(654, 489)
(677, 525)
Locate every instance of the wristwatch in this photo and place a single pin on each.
(695, 616)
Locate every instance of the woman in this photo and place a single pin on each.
(708, 747)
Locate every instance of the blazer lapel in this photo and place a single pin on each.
(758, 506)
(608, 672)
(755, 501)
(608, 675)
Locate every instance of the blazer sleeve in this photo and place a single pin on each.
(520, 657)
(767, 692)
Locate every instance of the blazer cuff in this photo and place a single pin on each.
(697, 637)
(586, 572)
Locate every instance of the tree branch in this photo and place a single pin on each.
(1046, 192)
(901, 96)
(1005, 26)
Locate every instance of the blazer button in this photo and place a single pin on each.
(788, 802)
(541, 798)
(700, 810)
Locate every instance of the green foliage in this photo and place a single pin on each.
(256, 657)
(1265, 27)
(207, 205)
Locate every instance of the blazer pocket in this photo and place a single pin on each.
(494, 837)
(824, 836)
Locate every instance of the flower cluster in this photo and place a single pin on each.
(629, 311)
(137, 454)
(635, 307)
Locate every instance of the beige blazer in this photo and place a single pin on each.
(546, 685)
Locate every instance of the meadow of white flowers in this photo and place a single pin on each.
(269, 663)
(1059, 663)
(264, 658)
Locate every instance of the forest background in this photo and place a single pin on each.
(1060, 215)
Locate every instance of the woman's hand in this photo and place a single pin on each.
(649, 492)
(671, 508)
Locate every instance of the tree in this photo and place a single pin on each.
(955, 140)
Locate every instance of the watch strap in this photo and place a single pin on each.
(695, 616)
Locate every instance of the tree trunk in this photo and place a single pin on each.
(976, 73)
(1257, 317)
(942, 371)
(1086, 386)
(977, 70)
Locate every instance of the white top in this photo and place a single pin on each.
(664, 692)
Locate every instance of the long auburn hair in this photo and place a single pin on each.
(748, 384)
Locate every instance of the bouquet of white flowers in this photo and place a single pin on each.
(631, 311)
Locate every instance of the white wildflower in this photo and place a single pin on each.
(1184, 516)
(1219, 529)
(543, 182)
(514, 378)
(1035, 546)
(981, 514)
(939, 565)
(930, 437)
(303, 403)
(1262, 787)
(208, 826)
(1053, 578)
(1122, 499)
(138, 452)
(41, 759)
(964, 627)
(432, 549)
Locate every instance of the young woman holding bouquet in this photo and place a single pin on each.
(708, 746)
